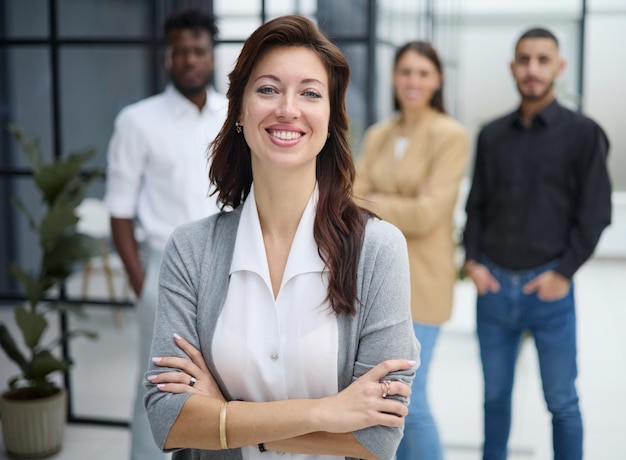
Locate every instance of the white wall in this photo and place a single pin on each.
(605, 101)
(605, 91)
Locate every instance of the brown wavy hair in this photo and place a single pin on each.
(428, 51)
(339, 224)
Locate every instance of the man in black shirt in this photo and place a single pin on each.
(540, 198)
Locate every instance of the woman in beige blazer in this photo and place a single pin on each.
(409, 174)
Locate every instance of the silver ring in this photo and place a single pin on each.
(192, 381)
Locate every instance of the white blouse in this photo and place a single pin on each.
(268, 349)
(400, 147)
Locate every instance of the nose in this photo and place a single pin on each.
(190, 58)
(533, 65)
(414, 78)
(288, 107)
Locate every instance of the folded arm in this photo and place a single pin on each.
(322, 426)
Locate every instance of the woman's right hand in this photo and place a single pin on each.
(364, 402)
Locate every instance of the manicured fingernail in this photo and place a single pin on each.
(152, 377)
(160, 385)
(411, 362)
(156, 360)
(176, 336)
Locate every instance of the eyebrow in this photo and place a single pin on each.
(528, 55)
(278, 80)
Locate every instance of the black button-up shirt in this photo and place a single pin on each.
(539, 193)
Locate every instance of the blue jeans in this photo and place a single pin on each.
(421, 438)
(502, 320)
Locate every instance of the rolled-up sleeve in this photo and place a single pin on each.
(126, 159)
(386, 326)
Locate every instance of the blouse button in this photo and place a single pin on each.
(274, 356)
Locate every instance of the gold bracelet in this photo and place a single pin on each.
(223, 440)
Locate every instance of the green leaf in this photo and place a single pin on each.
(29, 145)
(73, 190)
(32, 325)
(80, 157)
(20, 206)
(33, 288)
(10, 348)
(44, 363)
(69, 250)
(55, 223)
(53, 179)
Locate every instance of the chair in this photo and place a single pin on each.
(94, 221)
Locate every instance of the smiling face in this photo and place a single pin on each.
(415, 79)
(535, 67)
(286, 109)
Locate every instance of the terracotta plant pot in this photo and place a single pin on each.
(33, 428)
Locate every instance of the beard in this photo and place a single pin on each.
(531, 96)
(188, 90)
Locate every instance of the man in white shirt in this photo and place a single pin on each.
(157, 176)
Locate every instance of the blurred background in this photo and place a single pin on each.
(67, 67)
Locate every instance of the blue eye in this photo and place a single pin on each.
(266, 90)
(312, 94)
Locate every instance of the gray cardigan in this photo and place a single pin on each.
(192, 288)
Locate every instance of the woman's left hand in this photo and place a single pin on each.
(194, 375)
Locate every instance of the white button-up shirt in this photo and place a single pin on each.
(268, 349)
(157, 166)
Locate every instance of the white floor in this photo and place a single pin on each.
(105, 370)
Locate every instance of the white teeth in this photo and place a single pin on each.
(286, 135)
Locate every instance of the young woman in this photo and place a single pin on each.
(409, 175)
(283, 325)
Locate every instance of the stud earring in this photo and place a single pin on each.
(238, 127)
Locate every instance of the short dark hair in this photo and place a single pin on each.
(193, 19)
(538, 32)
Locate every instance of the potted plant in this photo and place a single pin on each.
(62, 186)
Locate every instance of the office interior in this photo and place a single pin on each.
(67, 67)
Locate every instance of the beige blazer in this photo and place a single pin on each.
(437, 149)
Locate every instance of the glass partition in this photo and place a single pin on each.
(103, 18)
(25, 19)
